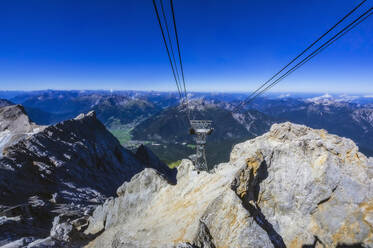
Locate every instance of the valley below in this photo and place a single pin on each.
(157, 120)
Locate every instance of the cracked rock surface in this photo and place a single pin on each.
(291, 187)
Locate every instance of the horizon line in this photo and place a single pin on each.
(191, 91)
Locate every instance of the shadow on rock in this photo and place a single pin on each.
(247, 187)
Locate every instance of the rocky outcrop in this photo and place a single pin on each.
(4, 102)
(292, 187)
(15, 125)
(77, 159)
(59, 173)
(312, 187)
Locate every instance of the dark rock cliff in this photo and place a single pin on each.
(67, 168)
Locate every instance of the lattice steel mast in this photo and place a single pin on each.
(200, 128)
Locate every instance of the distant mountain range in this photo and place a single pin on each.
(54, 106)
(156, 119)
(344, 118)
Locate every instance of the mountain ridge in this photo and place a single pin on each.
(62, 170)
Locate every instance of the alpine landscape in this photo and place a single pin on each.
(176, 124)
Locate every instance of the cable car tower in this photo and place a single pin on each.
(200, 128)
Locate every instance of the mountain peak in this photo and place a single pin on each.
(291, 131)
(90, 114)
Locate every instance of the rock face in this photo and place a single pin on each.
(312, 187)
(15, 125)
(4, 102)
(62, 171)
(292, 187)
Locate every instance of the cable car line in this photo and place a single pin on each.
(303, 52)
(181, 87)
(341, 33)
(168, 52)
(170, 42)
(316, 52)
(181, 62)
(352, 27)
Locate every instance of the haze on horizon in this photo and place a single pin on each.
(226, 46)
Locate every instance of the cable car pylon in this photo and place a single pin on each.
(200, 128)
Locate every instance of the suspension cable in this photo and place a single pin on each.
(352, 27)
(180, 60)
(341, 33)
(171, 47)
(302, 53)
(168, 52)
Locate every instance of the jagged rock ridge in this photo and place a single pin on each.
(65, 169)
(294, 186)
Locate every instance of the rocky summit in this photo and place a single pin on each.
(52, 178)
(291, 187)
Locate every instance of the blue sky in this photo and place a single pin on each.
(226, 45)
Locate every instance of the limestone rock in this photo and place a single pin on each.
(62, 170)
(20, 243)
(310, 186)
(292, 187)
(149, 212)
(203, 238)
(66, 228)
(44, 243)
(132, 201)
